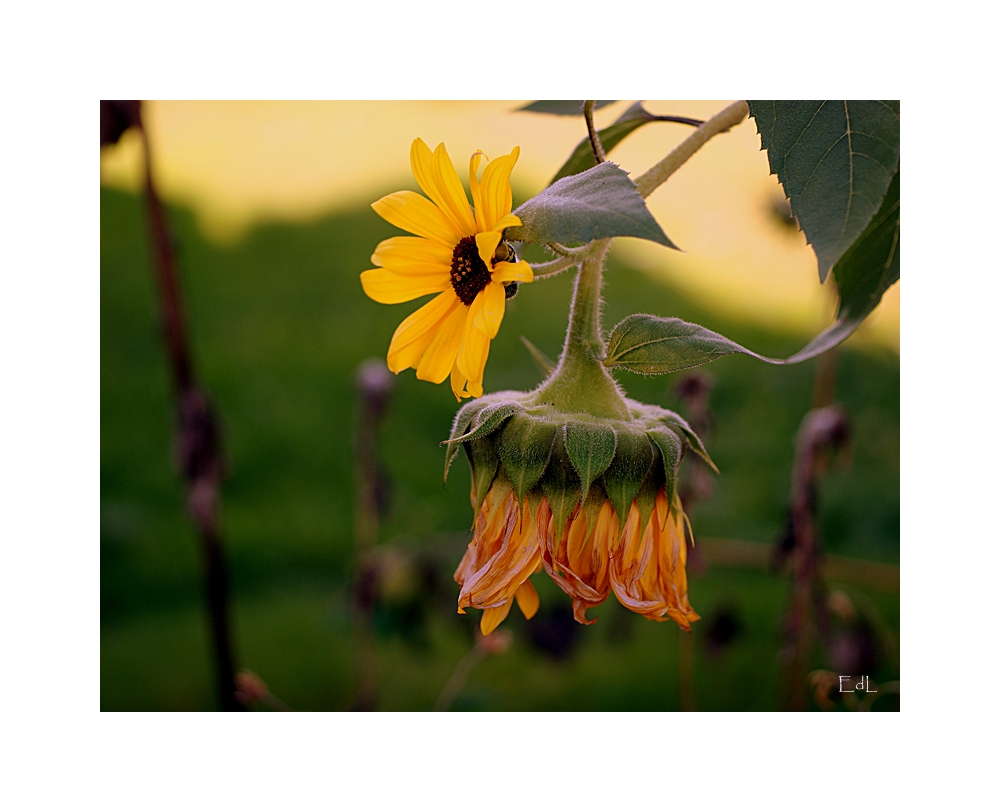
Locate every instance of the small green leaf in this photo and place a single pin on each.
(669, 445)
(652, 345)
(591, 449)
(525, 446)
(561, 485)
(559, 108)
(626, 124)
(545, 364)
(488, 421)
(627, 471)
(868, 269)
(601, 202)
(835, 160)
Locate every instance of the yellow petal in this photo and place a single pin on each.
(490, 311)
(452, 190)
(512, 272)
(487, 242)
(527, 599)
(472, 355)
(439, 357)
(402, 252)
(475, 187)
(411, 212)
(458, 381)
(428, 172)
(389, 287)
(416, 331)
(507, 221)
(494, 617)
(496, 194)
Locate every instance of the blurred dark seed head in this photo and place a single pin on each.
(554, 631)
(374, 383)
(116, 117)
(694, 386)
(510, 289)
(722, 628)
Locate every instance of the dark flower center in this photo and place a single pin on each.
(469, 274)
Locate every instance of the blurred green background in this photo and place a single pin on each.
(279, 325)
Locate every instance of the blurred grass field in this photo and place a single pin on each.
(279, 326)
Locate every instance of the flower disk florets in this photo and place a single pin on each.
(469, 274)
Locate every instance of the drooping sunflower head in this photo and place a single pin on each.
(592, 501)
(460, 254)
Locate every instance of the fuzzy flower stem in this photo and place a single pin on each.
(719, 123)
(580, 382)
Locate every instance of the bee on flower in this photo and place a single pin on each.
(458, 253)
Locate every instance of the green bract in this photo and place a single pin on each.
(571, 458)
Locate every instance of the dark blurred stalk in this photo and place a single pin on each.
(694, 390)
(374, 386)
(822, 430)
(198, 438)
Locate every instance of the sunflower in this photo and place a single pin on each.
(458, 253)
(645, 566)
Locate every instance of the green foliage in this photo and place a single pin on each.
(651, 345)
(627, 123)
(835, 160)
(559, 108)
(601, 202)
(866, 271)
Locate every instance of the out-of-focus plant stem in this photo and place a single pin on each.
(199, 443)
(374, 386)
(822, 430)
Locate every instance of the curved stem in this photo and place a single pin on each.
(719, 123)
(595, 140)
(554, 267)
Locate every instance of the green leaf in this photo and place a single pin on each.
(627, 471)
(488, 421)
(591, 449)
(868, 269)
(835, 160)
(559, 108)
(525, 447)
(652, 345)
(601, 202)
(626, 124)
(670, 449)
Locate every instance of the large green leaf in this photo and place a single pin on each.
(868, 269)
(835, 160)
(627, 123)
(601, 202)
(559, 108)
